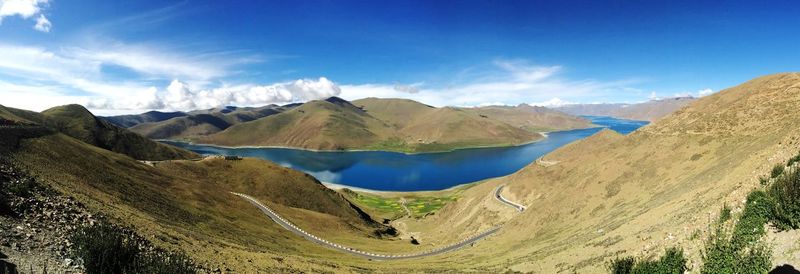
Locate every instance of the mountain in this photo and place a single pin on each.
(532, 118)
(127, 121)
(379, 124)
(611, 195)
(77, 122)
(187, 205)
(181, 125)
(647, 111)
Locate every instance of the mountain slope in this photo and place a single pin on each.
(532, 118)
(380, 124)
(323, 124)
(187, 205)
(127, 121)
(79, 123)
(179, 125)
(660, 186)
(647, 111)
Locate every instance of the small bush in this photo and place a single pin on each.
(785, 193)
(725, 214)
(750, 228)
(22, 188)
(673, 261)
(744, 251)
(777, 170)
(622, 265)
(106, 249)
(793, 160)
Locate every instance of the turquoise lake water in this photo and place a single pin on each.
(391, 171)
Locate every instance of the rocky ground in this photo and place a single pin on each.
(35, 225)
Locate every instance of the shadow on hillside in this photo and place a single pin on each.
(784, 269)
(7, 267)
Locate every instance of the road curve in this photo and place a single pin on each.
(369, 255)
(502, 199)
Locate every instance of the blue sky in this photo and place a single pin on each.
(127, 57)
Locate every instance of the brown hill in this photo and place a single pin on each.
(661, 186)
(380, 124)
(647, 111)
(77, 122)
(533, 118)
(179, 125)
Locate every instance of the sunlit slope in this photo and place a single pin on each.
(187, 205)
(646, 111)
(76, 121)
(532, 118)
(195, 123)
(324, 124)
(657, 187)
(373, 124)
(130, 120)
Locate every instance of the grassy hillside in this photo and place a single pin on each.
(179, 125)
(76, 121)
(647, 111)
(662, 186)
(532, 118)
(187, 205)
(332, 124)
(127, 121)
(373, 124)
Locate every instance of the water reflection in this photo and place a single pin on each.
(429, 171)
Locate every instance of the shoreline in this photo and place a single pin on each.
(544, 134)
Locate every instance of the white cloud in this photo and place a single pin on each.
(157, 60)
(25, 9)
(181, 96)
(704, 92)
(406, 88)
(42, 24)
(699, 93)
(506, 82)
(554, 102)
(653, 96)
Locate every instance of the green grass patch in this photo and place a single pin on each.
(392, 208)
(422, 206)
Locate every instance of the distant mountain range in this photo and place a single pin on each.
(371, 123)
(647, 111)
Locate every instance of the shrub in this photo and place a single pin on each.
(742, 252)
(724, 214)
(106, 249)
(22, 188)
(750, 228)
(777, 170)
(622, 265)
(673, 261)
(793, 160)
(785, 192)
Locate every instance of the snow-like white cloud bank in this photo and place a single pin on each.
(26, 9)
(181, 96)
(505, 83)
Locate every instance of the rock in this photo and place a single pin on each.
(68, 262)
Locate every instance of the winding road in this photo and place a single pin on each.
(369, 255)
(499, 197)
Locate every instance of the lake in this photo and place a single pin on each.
(391, 171)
